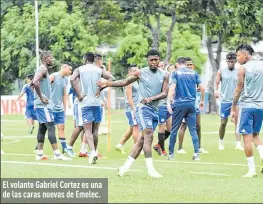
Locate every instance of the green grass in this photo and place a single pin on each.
(177, 185)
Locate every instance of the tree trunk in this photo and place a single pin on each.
(169, 39)
(155, 32)
(215, 64)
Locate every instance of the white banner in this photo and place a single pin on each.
(9, 106)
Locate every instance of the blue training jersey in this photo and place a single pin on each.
(74, 95)
(29, 95)
(186, 81)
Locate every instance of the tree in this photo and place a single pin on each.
(59, 31)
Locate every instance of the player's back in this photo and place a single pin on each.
(89, 76)
(58, 85)
(252, 93)
(186, 81)
(29, 95)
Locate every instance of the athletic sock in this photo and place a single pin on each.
(221, 142)
(149, 164)
(40, 153)
(167, 134)
(56, 152)
(83, 148)
(260, 151)
(128, 163)
(251, 164)
(161, 138)
(63, 143)
(238, 143)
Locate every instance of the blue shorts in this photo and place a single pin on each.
(77, 115)
(101, 112)
(30, 113)
(91, 114)
(163, 114)
(249, 120)
(59, 117)
(131, 118)
(225, 109)
(146, 117)
(44, 115)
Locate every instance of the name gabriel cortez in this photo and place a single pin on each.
(57, 184)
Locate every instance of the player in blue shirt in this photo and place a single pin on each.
(181, 104)
(30, 113)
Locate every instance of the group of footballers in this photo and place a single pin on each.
(170, 97)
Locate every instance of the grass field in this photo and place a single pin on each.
(216, 178)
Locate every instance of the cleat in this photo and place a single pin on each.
(202, 150)
(61, 157)
(221, 147)
(196, 157)
(171, 157)
(93, 159)
(250, 175)
(41, 157)
(83, 154)
(120, 148)
(181, 151)
(157, 148)
(239, 147)
(154, 174)
(69, 152)
(121, 171)
(164, 154)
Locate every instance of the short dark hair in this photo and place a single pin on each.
(97, 55)
(188, 59)
(30, 76)
(231, 56)
(44, 54)
(153, 52)
(89, 57)
(181, 60)
(245, 47)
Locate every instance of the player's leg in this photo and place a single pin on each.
(127, 134)
(159, 147)
(40, 141)
(177, 117)
(198, 130)
(30, 116)
(181, 138)
(245, 127)
(146, 119)
(238, 136)
(59, 120)
(258, 119)
(190, 120)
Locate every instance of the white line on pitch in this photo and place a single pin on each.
(19, 137)
(208, 173)
(11, 142)
(63, 165)
(206, 163)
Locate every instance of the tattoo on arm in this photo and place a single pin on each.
(107, 75)
(240, 84)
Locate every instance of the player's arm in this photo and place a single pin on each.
(237, 93)
(107, 75)
(120, 83)
(21, 93)
(128, 91)
(218, 79)
(202, 90)
(161, 95)
(36, 83)
(65, 99)
(239, 87)
(70, 92)
(74, 81)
